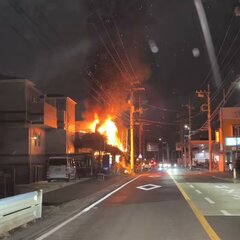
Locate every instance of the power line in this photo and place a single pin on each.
(20, 11)
(163, 109)
(109, 52)
(220, 49)
(124, 49)
(111, 41)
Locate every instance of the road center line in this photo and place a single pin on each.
(199, 192)
(225, 213)
(209, 200)
(207, 227)
(84, 210)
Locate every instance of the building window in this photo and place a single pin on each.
(37, 140)
(236, 130)
(35, 99)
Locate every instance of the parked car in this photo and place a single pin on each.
(61, 168)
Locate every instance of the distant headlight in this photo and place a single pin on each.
(165, 165)
(169, 165)
(160, 165)
(175, 165)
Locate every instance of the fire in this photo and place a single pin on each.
(94, 124)
(109, 129)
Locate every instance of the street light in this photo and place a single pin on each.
(167, 149)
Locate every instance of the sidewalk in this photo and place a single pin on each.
(226, 176)
(54, 214)
(45, 186)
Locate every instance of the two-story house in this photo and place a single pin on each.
(24, 118)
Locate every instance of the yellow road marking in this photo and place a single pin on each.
(209, 230)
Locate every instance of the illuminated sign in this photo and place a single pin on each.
(217, 136)
(152, 147)
(231, 141)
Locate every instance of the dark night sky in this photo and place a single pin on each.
(68, 47)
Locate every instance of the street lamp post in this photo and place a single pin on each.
(189, 127)
(162, 149)
(166, 150)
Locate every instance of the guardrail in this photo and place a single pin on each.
(19, 210)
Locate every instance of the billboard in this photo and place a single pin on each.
(152, 147)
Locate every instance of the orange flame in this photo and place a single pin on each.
(109, 129)
(94, 124)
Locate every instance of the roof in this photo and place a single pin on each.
(59, 96)
(9, 77)
(16, 80)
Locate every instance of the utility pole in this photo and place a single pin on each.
(140, 127)
(190, 108)
(207, 108)
(132, 111)
(132, 133)
(168, 155)
(209, 128)
(190, 133)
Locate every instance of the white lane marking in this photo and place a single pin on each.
(191, 186)
(221, 186)
(84, 210)
(228, 190)
(225, 213)
(199, 192)
(237, 197)
(209, 200)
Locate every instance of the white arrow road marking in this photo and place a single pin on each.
(148, 187)
(209, 200)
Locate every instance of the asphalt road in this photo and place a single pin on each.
(150, 207)
(177, 204)
(217, 199)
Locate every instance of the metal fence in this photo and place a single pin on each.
(19, 210)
